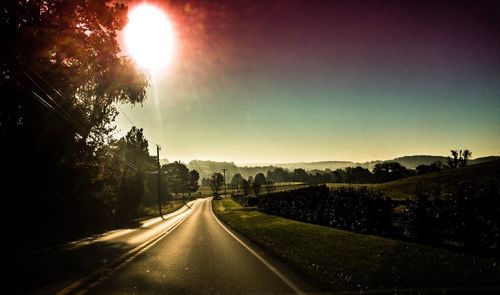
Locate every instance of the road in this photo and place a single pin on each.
(49, 270)
(200, 256)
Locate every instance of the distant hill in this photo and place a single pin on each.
(443, 180)
(207, 168)
(322, 165)
(413, 161)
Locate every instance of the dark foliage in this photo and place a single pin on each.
(460, 158)
(469, 218)
(359, 210)
(389, 171)
(433, 167)
(61, 77)
(244, 200)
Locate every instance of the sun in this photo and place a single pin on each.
(149, 37)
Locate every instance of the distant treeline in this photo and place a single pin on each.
(382, 172)
(469, 217)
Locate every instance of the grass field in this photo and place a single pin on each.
(347, 261)
(442, 181)
(280, 186)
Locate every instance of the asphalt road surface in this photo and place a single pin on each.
(199, 256)
(62, 267)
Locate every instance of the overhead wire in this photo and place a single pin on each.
(60, 94)
(62, 112)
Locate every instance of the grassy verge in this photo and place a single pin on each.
(343, 260)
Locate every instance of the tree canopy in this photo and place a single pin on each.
(61, 75)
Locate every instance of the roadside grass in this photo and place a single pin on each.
(346, 261)
(443, 181)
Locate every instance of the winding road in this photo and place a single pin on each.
(201, 256)
(190, 252)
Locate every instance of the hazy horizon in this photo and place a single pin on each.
(255, 164)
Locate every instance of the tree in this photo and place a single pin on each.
(216, 182)
(389, 171)
(130, 187)
(459, 158)
(256, 186)
(465, 157)
(246, 187)
(177, 175)
(433, 167)
(299, 175)
(260, 178)
(358, 175)
(61, 76)
(236, 180)
(205, 181)
(278, 175)
(193, 181)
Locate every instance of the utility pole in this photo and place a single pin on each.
(159, 180)
(225, 193)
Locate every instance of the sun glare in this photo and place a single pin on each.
(149, 37)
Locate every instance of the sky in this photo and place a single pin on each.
(292, 81)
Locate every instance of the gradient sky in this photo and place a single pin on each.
(290, 81)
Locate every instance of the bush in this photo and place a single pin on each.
(244, 200)
(359, 210)
(468, 217)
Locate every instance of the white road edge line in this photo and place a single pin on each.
(285, 280)
(127, 258)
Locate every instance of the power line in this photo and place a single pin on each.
(122, 112)
(134, 125)
(59, 110)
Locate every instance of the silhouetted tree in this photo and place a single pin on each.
(299, 175)
(236, 180)
(389, 171)
(260, 178)
(433, 167)
(132, 148)
(177, 175)
(62, 74)
(216, 182)
(193, 181)
(278, 175)
(246, 187)
(256, 186)
(459, 158)
(358, 175)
